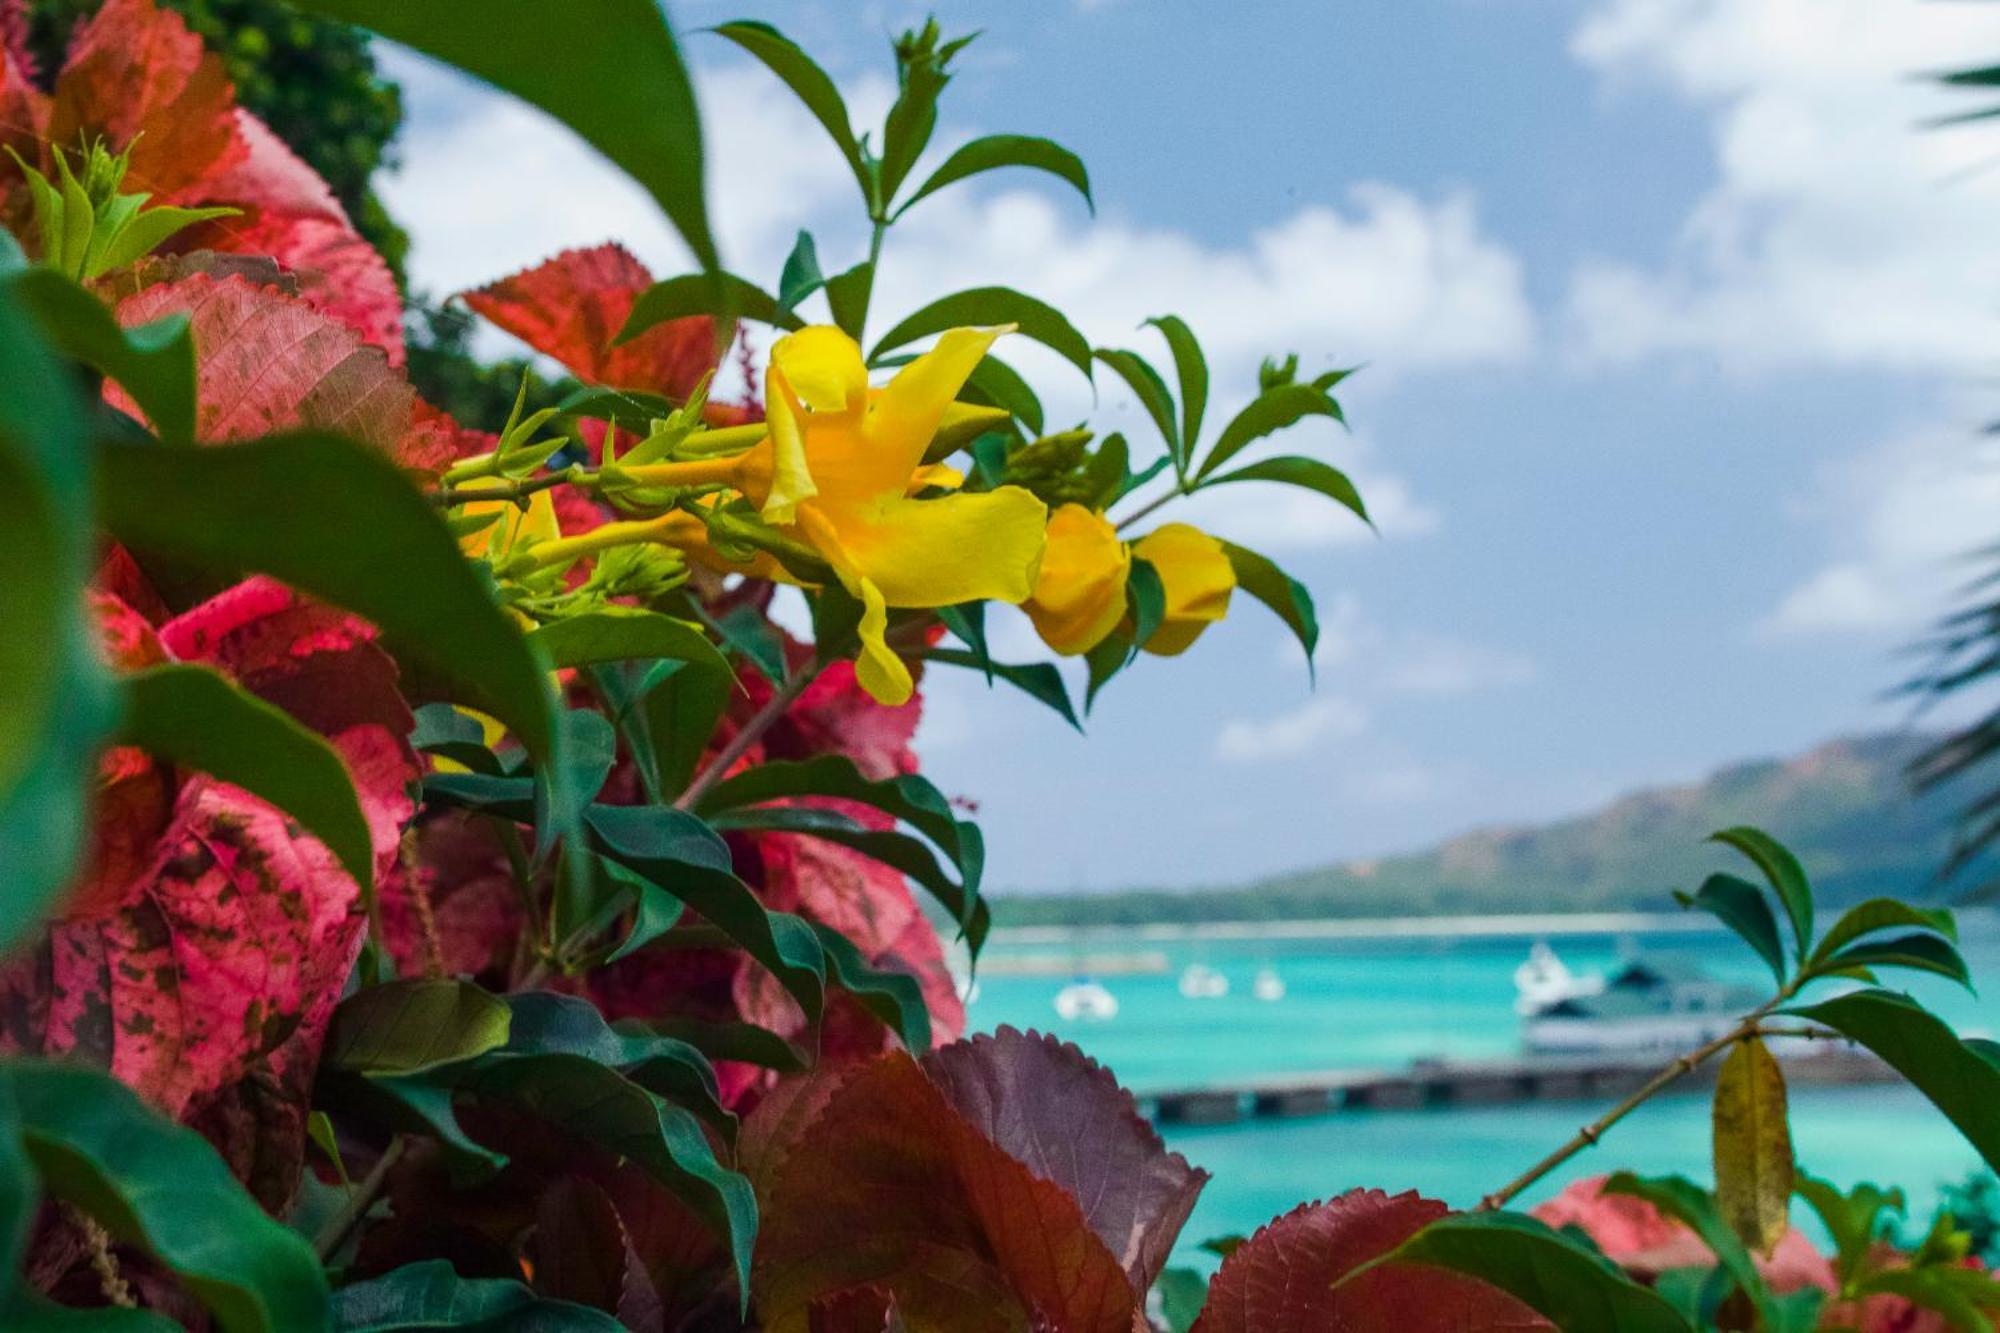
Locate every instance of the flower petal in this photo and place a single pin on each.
(878, 669)
(1198, 579)
(1080, 592)
(906, 413)
(956, 548)
(823, 367)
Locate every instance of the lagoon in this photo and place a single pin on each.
(1385, 1001)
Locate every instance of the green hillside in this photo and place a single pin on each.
(1844, 807)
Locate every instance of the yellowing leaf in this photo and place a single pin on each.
(1753, 1146)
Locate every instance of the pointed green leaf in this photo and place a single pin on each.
(431, 1295)
(620, 634)
(1268, 413)
(895, 998)
(1742, 906)
(146, 232)
(1147, 596)
(1306, 473)
(153, 362)
(1877, 914)
(1284, 595)
(987, 306)
(1785, 875)
(847, 296)
(723, 295)
(1691, 1205)
(1918, 953)
(801, 276)
(403, 1026)
(1151, 391)
(161, 1187)
(608, 69)
(995, 382)
(202, 720)
(1191, 368)
(995, 151)
(1039, 680)
(809, 83)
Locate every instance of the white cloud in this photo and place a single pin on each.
(1290, 735)
(1363, 654)
(1907, 515)
(1839, 231)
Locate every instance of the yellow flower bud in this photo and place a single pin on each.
(1198, 579)
(1080, 592)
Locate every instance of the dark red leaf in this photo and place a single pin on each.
(572, 306)
(582, 1252)
(1283, 1279)
(890, 1188)
(1062, 1115)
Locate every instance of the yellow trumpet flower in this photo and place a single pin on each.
(538, 520)
(836, 469)
(1080, 592)
(1198, 579)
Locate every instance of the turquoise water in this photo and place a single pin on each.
(1384, 1003)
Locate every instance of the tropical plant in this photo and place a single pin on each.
(438, 894)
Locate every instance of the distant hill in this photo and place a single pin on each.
(1844, 808)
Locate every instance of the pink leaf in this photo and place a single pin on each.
(270, 362)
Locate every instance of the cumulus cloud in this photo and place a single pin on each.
(1838, 231)
(1908, 516)
(1363, 654)
(1290, 735)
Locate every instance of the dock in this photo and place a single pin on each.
(1430, 1084)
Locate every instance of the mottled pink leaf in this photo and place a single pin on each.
(271, 362)
(1297, 1274)
(1062, 1115)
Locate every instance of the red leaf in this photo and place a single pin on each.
(858, 896)
(292, 216)
(137, 77)
(1063, 1116)
(836, 716)
(271, 362)
(1282, 1280)
(572, 306)
(582, 1252)
(434, 441)
(891, 1188)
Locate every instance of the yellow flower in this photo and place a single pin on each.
(498, 538)
(1080, 592)
(836, 470)
(1198, 579)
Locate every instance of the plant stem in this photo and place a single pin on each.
(1587, 1137)
(519, 490)
(1146, 509)
(342, 1224)
(746, 736)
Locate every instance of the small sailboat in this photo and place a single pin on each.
(1202, 982)
(1543, 980)
(1086, 1001)
(1268, 986)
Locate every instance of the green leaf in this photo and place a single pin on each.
(745, 631)
(404, 1026)
(1284, 595)
(56, 704)
(620, 634)
(681, 714)
(847, 295)
(1918, 953)
(995, 151)
(544, 1023)
(722, 295)
(988, 306)
(608, 69)
(1111, 655)
(601, 1106)
(997, 383)
(1039, 680)
(1269, 412)
(1573, 1287)
(1877, 914)
(899, 851)
(146, 232)
(745, 1042)
(682, 857)
(159, 1186)
(1152, 393)
(1191, 368)
(1147, 595)
(1853, 1220)
(337, 520)
(153, 362)
(1306, 473)
(1959, 1080)
(810, 84)
(1742, 906)
(1752, 1146)
(1963, 1296)
(801, 276)
(1690, 1205)
(431, 1295)
(891, 996)
(1784, 873)
(1183, 1291)
(200, 719)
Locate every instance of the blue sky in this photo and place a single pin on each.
(1678, 335)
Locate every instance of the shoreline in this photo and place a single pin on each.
(1367, 928)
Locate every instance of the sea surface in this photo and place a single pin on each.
(1381, 1003)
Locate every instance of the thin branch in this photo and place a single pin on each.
(1146, 509)
(746, 736)
(519, 490)
(340, 1227)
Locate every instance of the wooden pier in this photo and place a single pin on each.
(1448, 1083)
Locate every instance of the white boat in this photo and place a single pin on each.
(1268, 985)
(1650, 1006)
(1202, 982)
(1543, 979)
(1086, 1001)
